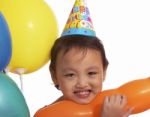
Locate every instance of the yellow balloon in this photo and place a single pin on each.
(33, 28)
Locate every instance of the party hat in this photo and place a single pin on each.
(79, 21)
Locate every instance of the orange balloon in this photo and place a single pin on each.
(137, 91)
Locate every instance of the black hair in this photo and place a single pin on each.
(65, 43)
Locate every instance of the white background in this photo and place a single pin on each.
(124, 28)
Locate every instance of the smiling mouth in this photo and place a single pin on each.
(82, 93)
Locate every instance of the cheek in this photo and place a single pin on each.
(98, 85)
(65, 86)
(67, 90)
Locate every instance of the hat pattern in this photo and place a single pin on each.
(79, 21)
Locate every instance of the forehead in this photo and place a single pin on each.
(78, 52)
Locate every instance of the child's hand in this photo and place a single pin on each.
(114, 106)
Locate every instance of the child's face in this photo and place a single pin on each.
(79, 74)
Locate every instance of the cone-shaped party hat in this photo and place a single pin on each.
(79, 21)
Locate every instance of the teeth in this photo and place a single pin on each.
(83, 92)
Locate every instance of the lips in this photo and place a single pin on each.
(82, 93)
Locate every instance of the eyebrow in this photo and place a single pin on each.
(93, 67)
(68, 69)
(71, 69)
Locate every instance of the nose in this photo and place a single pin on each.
(82, 82)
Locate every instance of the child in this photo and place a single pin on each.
(78, 68)
(78, 64)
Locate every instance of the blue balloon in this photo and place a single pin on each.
(12, 101)
(5, 43)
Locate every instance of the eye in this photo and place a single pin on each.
(92, 73)
(69, 75)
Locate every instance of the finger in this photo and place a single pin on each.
(129, 112)
(123, 100)
(112, 98)
(106, 100)
(106, 103)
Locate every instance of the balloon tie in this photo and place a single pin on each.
(4, 71)
(20, 71)
(21, 82)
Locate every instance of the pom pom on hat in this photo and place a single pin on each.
(79, 21)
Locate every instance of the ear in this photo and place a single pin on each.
(53, 75)
(104, 74)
